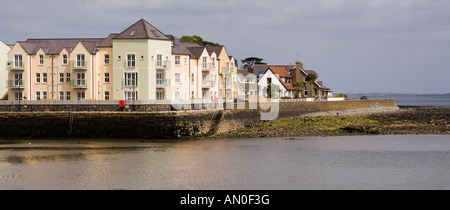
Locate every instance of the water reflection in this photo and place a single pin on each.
(373, 162)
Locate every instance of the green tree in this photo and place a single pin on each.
(251, 61)
(197, 39)
(298, 86)
(271, 89)
(311, 78)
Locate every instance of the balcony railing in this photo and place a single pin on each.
(78, 65)
(162, 83)
(162, 65)
(15, 84)
(79, 83)
(15, 65)
(208, 67)
(228, 70)
(208, 84)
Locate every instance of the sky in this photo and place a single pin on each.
(384, 46)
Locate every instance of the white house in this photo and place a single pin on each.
(280, 79)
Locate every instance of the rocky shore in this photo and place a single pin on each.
(405, 121)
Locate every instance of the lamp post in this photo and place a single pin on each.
(19, 94)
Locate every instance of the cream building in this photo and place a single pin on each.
(4, 49)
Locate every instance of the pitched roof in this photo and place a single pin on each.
(282, 72)
(196, 52)
(55, 46)
(216, 49)
(142, 30)
(310, 71)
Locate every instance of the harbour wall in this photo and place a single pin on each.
(163, 124)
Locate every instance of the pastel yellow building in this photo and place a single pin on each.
(4, 49)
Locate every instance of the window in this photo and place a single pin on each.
(177, 60)
(18, 80)
(131, 79)
(61, 95)
(205, 80)
(38, 95)
(159, 62)
(18, 96)
(106, 77)
(61, 77)
(81, 79)
(306, 92)
(18, 63)
(131, 96)
(155, 33)
(177, 78)
(68, 77)
(193, 79)
(38, 78)
(106, 59)
(177, 95)
(160, 95)
(131, 60)
(81, 62)
(44, 77)
(64, 59)
(205, 94)
(159, 79)
(214, 62)
(269, 80)
(68, 96)
(106, 95)
(41, 59)
(81, 95)
(192, 94)
(205, 62)
(44, 95)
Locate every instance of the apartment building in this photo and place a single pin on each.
(4, 49)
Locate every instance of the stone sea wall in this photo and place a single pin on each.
(161, 125)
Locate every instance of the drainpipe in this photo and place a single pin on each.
(53, 79)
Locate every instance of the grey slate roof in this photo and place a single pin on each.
(216, 49)
(55, 46)
(142, 30)
(196, 52)
(181, 48)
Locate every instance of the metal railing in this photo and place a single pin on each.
(15, 83)
(78, 65)
(163, 83)
(80, 83)
(162, 65)
(15, 65)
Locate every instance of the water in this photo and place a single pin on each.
(357, 162)
(412, 99)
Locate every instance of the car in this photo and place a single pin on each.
(363, 98)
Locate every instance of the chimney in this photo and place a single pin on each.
(299, 64)
(251, 70)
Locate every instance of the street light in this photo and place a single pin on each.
(19, 94)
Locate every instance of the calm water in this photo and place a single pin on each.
(359, 162)
(412, 99)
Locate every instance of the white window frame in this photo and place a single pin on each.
(64, 59)
(38, 95)
(81, 60)
(38, 78)
(131, 95)
(107, 60)
(160, 79)
(44, 95)
(177, 78)
(106, 96)
(177, 60)
(159, 95)
(131, 79)
(18, 96)
(107, 78)
(81, 95)
(61, 95)
(68, 77)
(159, 61)
(18, 61)
(131, 60)
(205, 62)
(61, 77)
(41, 59)
(68, 98)
(81, 79)
(177, 95)
(44, 77)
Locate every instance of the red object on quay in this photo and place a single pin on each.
(122, 103)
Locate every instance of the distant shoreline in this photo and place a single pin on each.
(409, 120)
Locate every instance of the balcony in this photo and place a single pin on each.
(78, 65)
(208, 84)
(15, 65)
(162, 65)
(162, 83)
(208, 67)
(80, 84)
(15, 84)
(228, 70)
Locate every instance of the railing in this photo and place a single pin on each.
(228, 70)
(162, 83)
(208, 67)
(162, 65)
(15, 83)
(208, 84)
(78, 65)
(78, 83)
(15, 65)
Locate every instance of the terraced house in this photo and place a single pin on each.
(140, 63)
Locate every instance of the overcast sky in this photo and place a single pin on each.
(362, 46)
